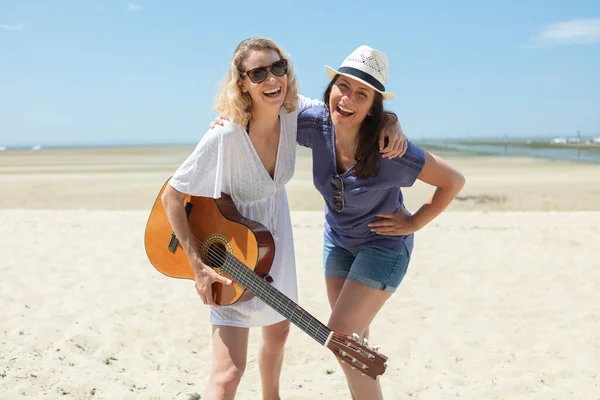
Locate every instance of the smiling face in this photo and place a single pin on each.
(270, 92)
(350, 102)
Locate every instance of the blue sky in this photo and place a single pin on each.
(146, 72)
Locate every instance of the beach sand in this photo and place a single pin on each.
(500, 300)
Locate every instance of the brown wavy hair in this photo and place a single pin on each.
(367, 148)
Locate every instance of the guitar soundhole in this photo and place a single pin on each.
(216, 254)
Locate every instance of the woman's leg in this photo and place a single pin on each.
(334, 287)
(355, 308)
(337, 262)
(358, 285)
(230, 349)
(270, 357)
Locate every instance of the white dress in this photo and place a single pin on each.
(225, 161)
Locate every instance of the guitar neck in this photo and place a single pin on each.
(239, 272)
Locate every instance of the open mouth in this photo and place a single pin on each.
(273, 93)
(343, 111)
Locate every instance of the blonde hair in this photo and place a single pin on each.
(231, 101)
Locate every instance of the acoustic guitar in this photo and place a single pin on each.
(243, 250)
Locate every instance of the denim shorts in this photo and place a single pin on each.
(378, 267)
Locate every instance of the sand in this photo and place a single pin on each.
(500, 300)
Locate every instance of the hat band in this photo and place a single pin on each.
(364, 76)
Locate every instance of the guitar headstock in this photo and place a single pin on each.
(358, 354)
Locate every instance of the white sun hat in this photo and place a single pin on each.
(367, 65)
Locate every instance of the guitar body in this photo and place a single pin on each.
(226, 241)
(217, 226)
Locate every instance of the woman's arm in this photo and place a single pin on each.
(396, 140)
(448, 182)
(172, 200)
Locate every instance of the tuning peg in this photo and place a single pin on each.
(366, 342)
(355, 337)
(376, 348)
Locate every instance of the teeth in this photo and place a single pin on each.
(344, 109)
(272, 91)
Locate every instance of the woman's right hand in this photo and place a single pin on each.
(219, 120)
(205, 277)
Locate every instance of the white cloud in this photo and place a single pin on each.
(12, 27)
(132, 7)
(576, 31)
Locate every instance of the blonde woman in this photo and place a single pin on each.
(250, 157)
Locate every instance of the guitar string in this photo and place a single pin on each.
(245, 276)
(275, 298)
(244, 273)
(336, 343)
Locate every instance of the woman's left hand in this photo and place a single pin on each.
(396, 146)
(398, 223)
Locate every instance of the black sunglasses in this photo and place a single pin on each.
(259, 74)
(338, 198)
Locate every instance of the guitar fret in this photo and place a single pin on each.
(293, 311)
(287, 304)
(302, 316)
(274, 298)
